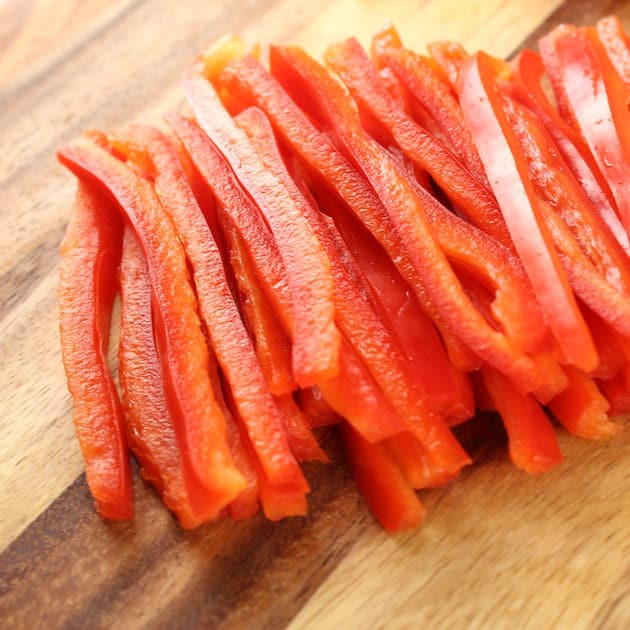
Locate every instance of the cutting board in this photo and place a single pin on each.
(498, 548)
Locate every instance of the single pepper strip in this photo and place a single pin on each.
(309, 82)
(615, 41)
(90, 253)
(449, 57)
(368, 411)
(508, 173)
(356, 317)
(219, 313)
(332, 173)
(316, 338)
(180, 341)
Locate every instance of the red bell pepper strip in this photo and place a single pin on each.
(181, 345)
(355, 315)
(87, 285)
(615, 41)
(471, 198)
(411, 457)
(313, 405)
(449, 57)
(316, 338)
(508, 173)
(369, 412)
(611, 356)
(436, 96)
(383, 485)
(598, 103)
(525, 80)
(332, 173)
(582, 409)
(219, 314)
(273, 346)
(301, 439)
(532, 442)
(150, 430)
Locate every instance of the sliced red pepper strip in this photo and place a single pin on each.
(368, 411)
(611, 356)
(617, 392)
(301, 439)
(310, 82)
(582, 409)
(527, 73)
(411, 457)
(180, 341)
(598, 103)
(508, 173)
(224, 327)
(383, 485)
(316, 338)
(273, 346)
(332, 173)
(614, 39)
(87, 285)
(450, 57)
(150, 430)
(436, 96)
(531, 438)
(471, 198)
(356, 317)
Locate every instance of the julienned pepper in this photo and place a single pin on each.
(597, 102)
(531, 439)
(615, 41)
(611, 356)
(507, 171)
(273, 346)
(449, 57)
(368, 411)
(219, 313)
(87, 285)
(332, 174)
(356, 317)
(150, 430)
(382, 483)
(423, 82)
(525, 82)
(180, 342)
(315, 336)
(310, 84)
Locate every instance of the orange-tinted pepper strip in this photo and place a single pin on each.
(87, 285)
(316, 338)
(617, 392)
(273, 347)
(334, 174)
(598, 102)
(471, 198)
(508, 174)
(150, 430)
(532, 441)
(356, 317)
(383, 485)
(180, 341)
(308, 81)
(611, 356)
(613, 37)
(427, 87)
(225, 329)
(449, 57)
(582, 409)
(527, 73)
(317, 411)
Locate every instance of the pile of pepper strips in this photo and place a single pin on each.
(385, 243)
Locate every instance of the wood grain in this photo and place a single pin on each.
(499, 548)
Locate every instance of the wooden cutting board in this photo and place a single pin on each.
(498, 549)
